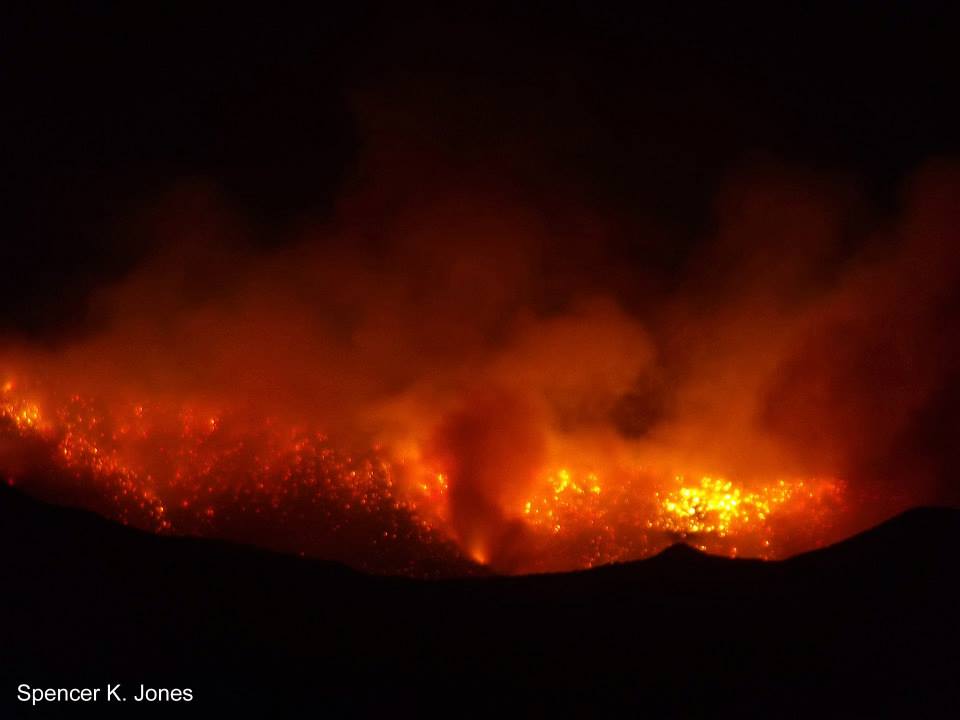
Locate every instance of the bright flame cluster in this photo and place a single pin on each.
(716, 507)
(23, 415)
(594, 522)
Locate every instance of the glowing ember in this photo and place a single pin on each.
(189, 471)
(25, 416)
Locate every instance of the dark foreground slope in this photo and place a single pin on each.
(865, 628)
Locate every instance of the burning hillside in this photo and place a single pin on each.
(206, 474)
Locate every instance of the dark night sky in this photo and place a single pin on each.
(639, 107)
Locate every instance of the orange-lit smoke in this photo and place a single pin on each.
(446, 375)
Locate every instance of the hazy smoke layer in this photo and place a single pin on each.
(489, 328)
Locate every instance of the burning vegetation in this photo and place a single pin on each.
(189, 472)
(439, 379)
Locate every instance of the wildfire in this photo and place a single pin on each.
(625, 519)
(565, 496)
(716, 508)
(192, 471)
(24, 416)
